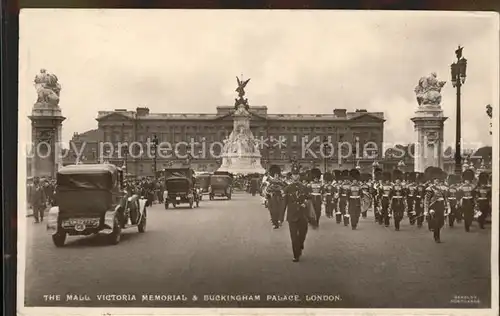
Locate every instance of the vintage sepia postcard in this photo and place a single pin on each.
(258, 162)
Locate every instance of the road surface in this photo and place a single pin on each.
(195, 257)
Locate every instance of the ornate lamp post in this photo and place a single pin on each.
(458, 75)
(154, 148)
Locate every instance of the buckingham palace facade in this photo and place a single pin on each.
(283, 137)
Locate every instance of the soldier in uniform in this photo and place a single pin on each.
(466, 198)
(337, 174)
(366, 194)
(453, 185)
(411, 195)
(435, 202)
(354, 201)
(328, 194)
(375, 196)
(483, 199)
(344, 196)
(275, 195)
(384, 192)
(297, 197)
(38, 200)
(418, 205)
(397, 198)
(316, 189)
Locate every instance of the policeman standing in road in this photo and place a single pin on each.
(297, 198)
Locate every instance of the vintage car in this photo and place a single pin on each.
(221, 184)
(180, 187)
(91, 199)
(203, 182)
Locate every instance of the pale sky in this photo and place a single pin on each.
(298, 61)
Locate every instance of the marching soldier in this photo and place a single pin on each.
(354, 201)
(366, 194)
(483, 200)
(418, 205)
(453, 181)
(411, 195)
(397, 198)
(375, 196)
(344, 196)
(275, 196)
(297, 197)
(466, 195)
(336, 195)
(435, 201)
(384, 199)
(328, 194)
(316, 190)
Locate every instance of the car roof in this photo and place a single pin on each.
(88, 169)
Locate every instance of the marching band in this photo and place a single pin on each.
(347, 195)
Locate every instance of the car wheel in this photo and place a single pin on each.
(116, 235)
(142, 223)
(166, 205)
(59, 239)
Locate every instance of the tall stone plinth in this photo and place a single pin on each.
(240, 154)
(429, 128)
(46, 130)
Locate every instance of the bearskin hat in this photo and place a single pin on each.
(345, 174)
(411, 176)
(386, 176)
(327, 176)
(483, 178)
(354, 174)
(315, 173)
(378, 174)
(397, 174)
(274, 170)
(453, 179)
(432, 173)
(337, 174)
(468, 175)
(365, 177)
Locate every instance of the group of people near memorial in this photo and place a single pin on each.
(347, 195)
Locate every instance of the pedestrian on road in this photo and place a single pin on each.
(297, 199)
(354, 200)
(38, 200)
(436, 203)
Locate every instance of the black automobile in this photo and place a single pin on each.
(221, 184)
(91, 199)
(180, 187)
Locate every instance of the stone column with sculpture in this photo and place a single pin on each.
(429, 124)
(46, 126)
